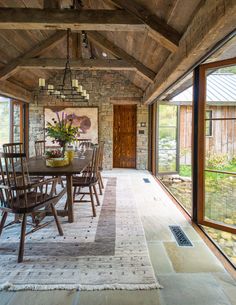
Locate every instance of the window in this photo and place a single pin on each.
(208, 123)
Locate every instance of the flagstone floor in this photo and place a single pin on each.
(190, 276)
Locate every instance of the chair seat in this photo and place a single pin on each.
(84, 181)
(32, 204)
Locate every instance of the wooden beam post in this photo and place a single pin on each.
(76, 64)
(56, 19)
(110, 47)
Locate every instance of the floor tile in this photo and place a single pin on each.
(120, 297)
(191, 289)
(228, 285)
(5, 297)
(192, 259)
(159, 258)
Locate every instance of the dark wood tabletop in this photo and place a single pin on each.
(37, 166)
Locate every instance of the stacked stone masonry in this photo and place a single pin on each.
(103, 87)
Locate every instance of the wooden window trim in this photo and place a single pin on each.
(200, 124)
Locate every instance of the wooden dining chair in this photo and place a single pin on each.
(39, 147)
(13, 148)
(88, 180)
(21, 197)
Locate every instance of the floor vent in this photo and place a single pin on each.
(180, 236)
(146, 180)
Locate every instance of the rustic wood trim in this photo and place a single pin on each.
(202, 34)
(219, 63)
(56, 19)
(110, 47)
(154, 137)
(125, 100)
(201, 145)
(76, 64)
(41, 47)
(159, 30)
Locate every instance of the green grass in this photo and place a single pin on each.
(185, 171)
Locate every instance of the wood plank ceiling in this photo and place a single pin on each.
(139, 45)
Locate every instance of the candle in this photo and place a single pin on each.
(41, 82)
(84, 93)
(87, 96)
(80, 89)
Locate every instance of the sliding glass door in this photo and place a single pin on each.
(217, 153)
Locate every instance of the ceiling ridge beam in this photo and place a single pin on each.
(56, 19)
(43, 46)
(113, 49)
(76, 64)
(158, 29)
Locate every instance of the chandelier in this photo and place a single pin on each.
(69, 89)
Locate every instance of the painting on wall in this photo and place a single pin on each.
(86, 118)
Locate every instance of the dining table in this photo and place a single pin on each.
(37, 167)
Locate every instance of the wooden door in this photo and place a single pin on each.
(124, 136)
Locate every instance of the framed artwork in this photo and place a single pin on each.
(84, 117)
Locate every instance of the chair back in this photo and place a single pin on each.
(14, 179)
(39, 147)
(85, 144)
(92, 171)
(13, 148)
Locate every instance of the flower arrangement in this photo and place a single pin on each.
(62, 131)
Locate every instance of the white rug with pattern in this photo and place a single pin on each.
(105, 252)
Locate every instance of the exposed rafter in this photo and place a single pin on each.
(56, 19)
(110, 47)
(158, 29)
(41, 47)
(202, 34)
(14, 91)
(78, 64)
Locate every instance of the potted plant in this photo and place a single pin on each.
(62, 131)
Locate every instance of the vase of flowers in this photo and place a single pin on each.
(62, 131)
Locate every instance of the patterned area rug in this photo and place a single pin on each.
(105, 252)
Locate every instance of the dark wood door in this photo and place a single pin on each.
(124, 136)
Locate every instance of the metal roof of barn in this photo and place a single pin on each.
(221, 87)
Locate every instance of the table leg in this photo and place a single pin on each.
(69, 187)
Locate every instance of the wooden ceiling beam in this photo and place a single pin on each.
(78, 64)
(113, 49)
(15, 91)
(158, 28)
(212, 23)
(56, 19)
(37, 50)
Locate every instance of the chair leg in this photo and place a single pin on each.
(22, 239)
(96, 195)
(92, 201)
(54, 212)
(100, 178)
(74, 193)
(99, 185)
(3, 220)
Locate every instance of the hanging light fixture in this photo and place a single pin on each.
(69, 89)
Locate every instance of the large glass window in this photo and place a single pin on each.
(174, 143)
(13, 122)
(167, 159)
(217, 201)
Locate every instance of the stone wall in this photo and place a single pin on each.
(103, 88)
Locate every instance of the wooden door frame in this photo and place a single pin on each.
(200, 76)
(125, 102)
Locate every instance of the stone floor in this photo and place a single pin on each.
(190, 276)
